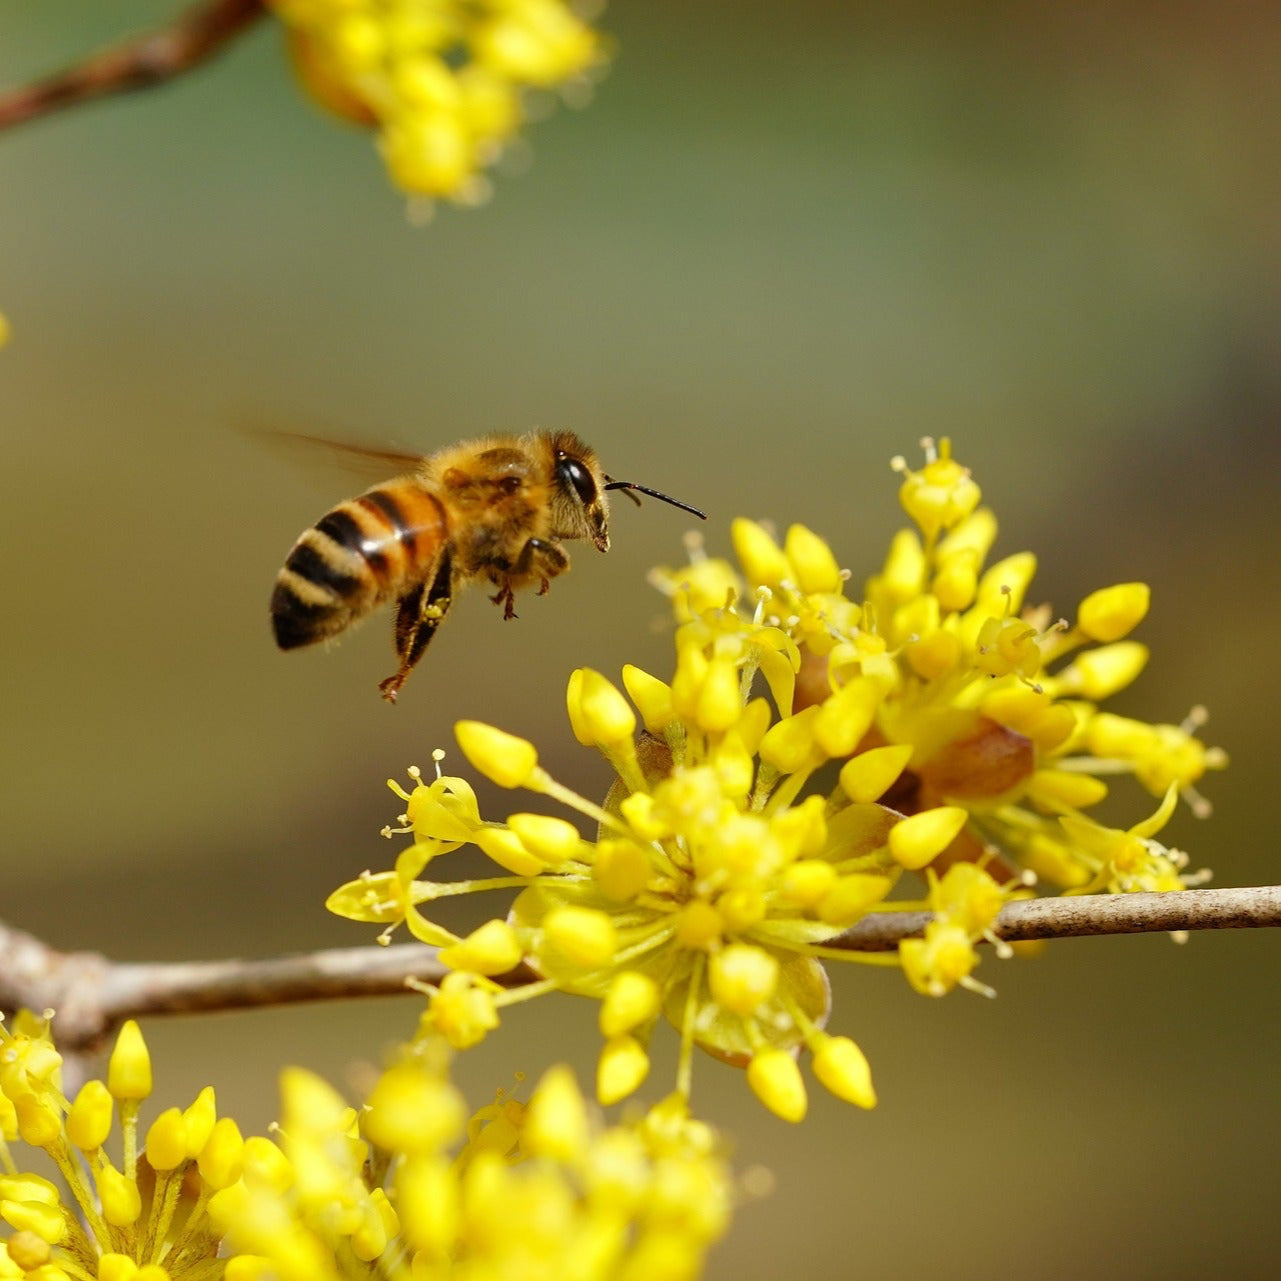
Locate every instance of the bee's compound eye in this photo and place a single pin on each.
(574, 473)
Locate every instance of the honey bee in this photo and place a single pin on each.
(495, 509)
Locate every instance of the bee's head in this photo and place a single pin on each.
(579, 506)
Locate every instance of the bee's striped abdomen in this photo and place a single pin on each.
(366, 551)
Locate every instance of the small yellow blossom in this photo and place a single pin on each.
(444, 83)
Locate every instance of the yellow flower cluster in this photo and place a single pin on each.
(142, 1220)
(716, 887)
(444, 81)
(538, 1191)
(408, 1187)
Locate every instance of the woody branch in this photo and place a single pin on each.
(150, 59)
(93, 995)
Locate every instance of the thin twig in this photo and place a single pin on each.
(139, 63)
(93, 995)
(1079, 916)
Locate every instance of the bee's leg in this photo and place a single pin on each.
(544, 558)
(417, 616)
(505, 596)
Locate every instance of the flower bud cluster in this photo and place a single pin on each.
(138, 1217)
(444, 82)
(957, 736)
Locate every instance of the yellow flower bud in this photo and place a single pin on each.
(920, 839)
(652, 697)
(623, 1066)
(551, 839)
(807, 880)
(1100, 673)
(903, 575)
(265, 1165)
(28, 1187)
(167, 1140)
(584, 936)
(1003, 586)
(370, 1237)
(411, 1109)
(789, 744)
(28, 1250)
(556, 1120)
(492, 948)
(851, 896)
(633, 998)
(574, 706)
(199, 1119)
(1066, 788)
(427, 1192)
(89, 1121)
(48, 1222)
(643, 817)
(934, 655)
(742, 907)
(690, 677)
(742, 977)
(812, 561)
(760, 556)
(504, 758)
(604, 714)
(120, 1198)
(39, 1121)
(957, 581)
(506, 849)
(776, 1081)
(720, 702)
(429, 156)
(117, 1267)
(698, 925)
(868, 776)
(129, 1071)
(221, 1158)
(1113, 612)
(843, 1068)
(621, 869)
(846, 716)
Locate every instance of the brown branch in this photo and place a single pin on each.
(139, 63)
(1079, 916)
(93, 995)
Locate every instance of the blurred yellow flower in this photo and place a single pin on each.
(444, 81)
(408, 1187)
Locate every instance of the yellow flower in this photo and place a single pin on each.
(721, 873)
(141, 1220)
(408, 1187)
(444, 83)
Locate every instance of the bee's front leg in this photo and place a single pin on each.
(539, 559)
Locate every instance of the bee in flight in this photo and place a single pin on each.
(494, 509)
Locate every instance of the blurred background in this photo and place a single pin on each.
(782, 244)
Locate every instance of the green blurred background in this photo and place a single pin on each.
(785, 242)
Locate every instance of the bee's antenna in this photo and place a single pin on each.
(627, 487)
